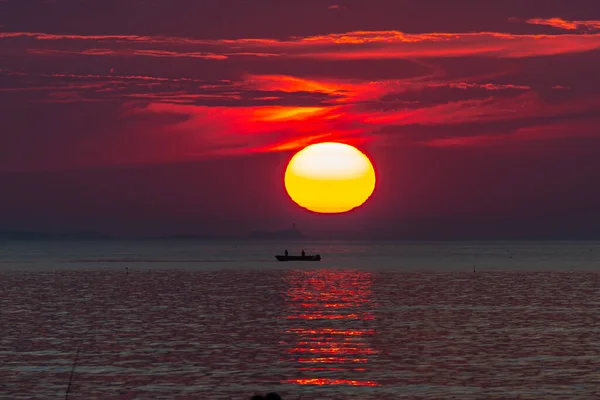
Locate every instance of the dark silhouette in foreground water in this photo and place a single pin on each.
(269, 396)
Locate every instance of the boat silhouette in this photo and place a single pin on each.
(315, 257)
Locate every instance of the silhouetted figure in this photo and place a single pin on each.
(273, 396)
(286, 252)
(303, 253)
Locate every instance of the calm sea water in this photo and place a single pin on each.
(372, 320)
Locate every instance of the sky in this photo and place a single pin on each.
(156, 117)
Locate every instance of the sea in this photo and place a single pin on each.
(186, 319)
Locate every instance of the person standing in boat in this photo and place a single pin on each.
(286, 252)
(303, 253)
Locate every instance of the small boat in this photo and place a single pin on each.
(316, 257)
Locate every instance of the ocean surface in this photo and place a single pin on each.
(222, 320)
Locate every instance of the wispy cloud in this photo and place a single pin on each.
(346, 46)
(520, 136)
(566, 24)
(263, 129)
(127, 53)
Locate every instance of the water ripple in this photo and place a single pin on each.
(333, 334)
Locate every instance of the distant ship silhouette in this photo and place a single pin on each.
(292, 233)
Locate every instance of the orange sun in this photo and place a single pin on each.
(329, 178)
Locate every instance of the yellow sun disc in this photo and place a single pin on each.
(330, 178)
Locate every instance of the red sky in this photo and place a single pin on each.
(157, 117)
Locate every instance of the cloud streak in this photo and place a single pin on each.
(346, 46)
(565, 24)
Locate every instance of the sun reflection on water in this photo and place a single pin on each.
(330, 341)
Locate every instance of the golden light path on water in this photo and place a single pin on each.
(331, 345)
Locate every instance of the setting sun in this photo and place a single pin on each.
(330, 178)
